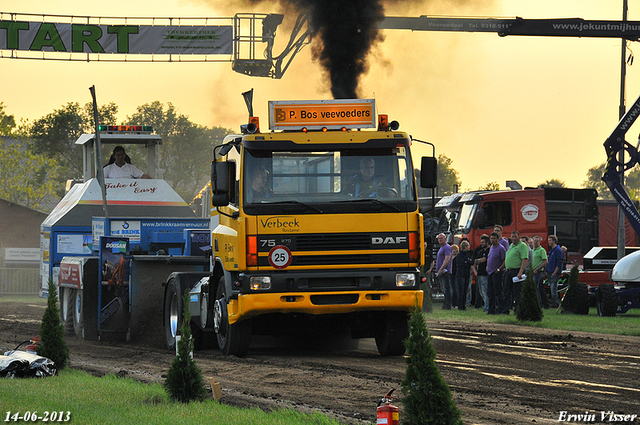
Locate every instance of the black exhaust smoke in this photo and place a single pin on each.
(346, 31)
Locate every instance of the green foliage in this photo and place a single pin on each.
(447, 176)
(570, 301)
(594, 181)
(184, 380)
(528, 306)
(26, 178)
(426, 397)
(490, 186)
(55, 134)
(184, 158)
(552, 183)
(7, 122)
(53, 345)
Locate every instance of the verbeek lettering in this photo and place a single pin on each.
(280, 223)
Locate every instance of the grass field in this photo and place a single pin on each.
(623, 324)
(78, 398)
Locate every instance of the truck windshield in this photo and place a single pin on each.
(448, 221)
(467, 214)
(328, 180)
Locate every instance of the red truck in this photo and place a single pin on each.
(582, 223)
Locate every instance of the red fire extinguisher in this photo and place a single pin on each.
(388, 414)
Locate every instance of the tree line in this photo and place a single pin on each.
(37, 158)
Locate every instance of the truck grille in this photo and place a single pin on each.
(338, 248)
(331, 241)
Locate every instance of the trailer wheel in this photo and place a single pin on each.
(172, 312)
(394, 329)
(233, 340)
(78, 317)
(582, 298)
(606, 300)
(66, 310)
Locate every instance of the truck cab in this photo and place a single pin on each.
(305, 238)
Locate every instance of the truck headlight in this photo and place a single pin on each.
(405, 279)
(260, 283)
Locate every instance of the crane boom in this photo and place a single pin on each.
(614, 145)
(572, 27)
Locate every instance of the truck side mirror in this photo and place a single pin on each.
(429, 172)
(223, 180)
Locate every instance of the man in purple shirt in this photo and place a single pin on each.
(503, 241)
(443, 270)
(495, 267)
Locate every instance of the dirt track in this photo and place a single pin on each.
(499, 374)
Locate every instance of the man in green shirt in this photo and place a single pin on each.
(538, 265)
(515, 264)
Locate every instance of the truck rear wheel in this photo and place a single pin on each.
(394, 329)
(582, 298)
(606, 300)
(66, 310)
(233, 339)
(78, 317)
(173, 309)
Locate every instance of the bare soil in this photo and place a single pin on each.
(498, 374)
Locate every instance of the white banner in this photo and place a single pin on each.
(118, 39)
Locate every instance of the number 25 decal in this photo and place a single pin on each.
(280, 257)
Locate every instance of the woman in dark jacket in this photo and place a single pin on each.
(464, 261)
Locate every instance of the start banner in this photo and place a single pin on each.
(117, 39)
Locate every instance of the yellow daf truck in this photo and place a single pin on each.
(315, 228)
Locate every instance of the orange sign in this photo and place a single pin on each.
(315, 115)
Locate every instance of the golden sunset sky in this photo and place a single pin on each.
(502, 108)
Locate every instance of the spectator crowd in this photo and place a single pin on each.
(499, 266)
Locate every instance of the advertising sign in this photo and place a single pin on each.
(126, 228)
(119, 39)
(114, 265)
(314, 115)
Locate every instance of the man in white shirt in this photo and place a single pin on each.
(120, 168)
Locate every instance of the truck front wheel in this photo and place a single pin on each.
(606, 300)
(393, 330)
(233, 340)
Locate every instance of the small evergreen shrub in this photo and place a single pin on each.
(426, 396)
(184, 382)
(53, 346)
(529, 309)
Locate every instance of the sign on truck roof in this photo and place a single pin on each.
(320, 114)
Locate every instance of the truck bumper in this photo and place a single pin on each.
(255, 304)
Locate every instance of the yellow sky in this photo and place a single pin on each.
(503, 108)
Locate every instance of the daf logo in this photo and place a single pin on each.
(389, 240)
